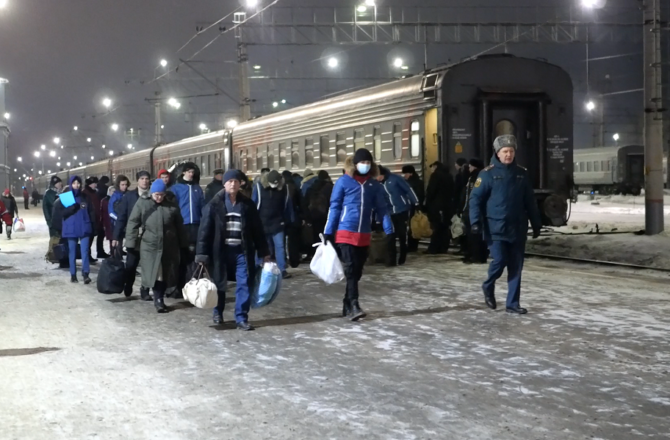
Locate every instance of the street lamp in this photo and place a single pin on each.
(252, 3)
(68, 164)
(283, 101)
(398, 63)
(7, 116)
(3, 4)
(88, 140)
(164, 63)
(115, 127)
(107, 102)
(362, 8)
(37, 154)
(257, 67)
(172, 102)
(52, 153)
(130, 146)
(76, 128)
(275, 104)
(202, 127)
(58, 164)
(57, 140)
(75, 158)
(44, 147)
(589, 3)
(333, 62)
(369, 2)
(19, 159)
(232, 123)
(104, 146)
(92, 157)
(111, 153)
(590, 106)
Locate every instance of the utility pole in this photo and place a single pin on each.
(4, 137)
(158, 132)
(243, 63)
(653, 120)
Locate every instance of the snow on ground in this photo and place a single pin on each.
(610, 216)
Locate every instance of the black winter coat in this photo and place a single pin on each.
(440, 195)
(10, 205)
(465, 202)
(213, 189)
(318, 196)
(123, 213)
(460, 182)
(417, 186)
(211, 238)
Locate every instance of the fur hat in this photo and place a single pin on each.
(506, 140)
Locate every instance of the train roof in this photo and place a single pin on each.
(611, 151)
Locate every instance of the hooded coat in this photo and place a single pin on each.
(50, 198)
(318, 200)
(10, 204)
(273, 204)
(503, 201)
(212, 232)
(353, 204)
(93, 196)
(189, 195)
(157, 231)
(78, 220)
(4, 216)
(213, 189)
(306, 183)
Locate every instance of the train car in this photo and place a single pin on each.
(443, 114)
(610, 170)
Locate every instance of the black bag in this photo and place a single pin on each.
(378, 252)
(111, 278)
(62, 251)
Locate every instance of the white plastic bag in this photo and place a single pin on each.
(19, 226)
(325, 264)
(201, 291)
(457, 228)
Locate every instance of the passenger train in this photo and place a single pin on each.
(443, 114)
(611, 170)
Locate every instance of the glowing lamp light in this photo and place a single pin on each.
(333, 62)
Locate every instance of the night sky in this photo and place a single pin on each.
(63, 56)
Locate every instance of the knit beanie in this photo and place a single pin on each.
(230, 175)
(362, 155)
(161, 172)
(158, 186)
(54, 180)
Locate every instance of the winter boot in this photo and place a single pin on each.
(158, 302)
(9, 232)
(346, 308)
(144, 294)
(73, 279)
(356, 312)
(87, 279)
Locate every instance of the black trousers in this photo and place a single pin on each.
(188, 258)
(400, 228)
(353, 258)
(100, 244)
(132, 262)
(25, 203)
(439, 241)
(475, 249)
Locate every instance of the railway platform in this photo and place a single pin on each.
(590, 360)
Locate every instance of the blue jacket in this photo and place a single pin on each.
(401, 197)
(116, 198)
(352, 204)
(78, 219)
(503, 201)
(307, 183)
(191, 200)
(123, 210)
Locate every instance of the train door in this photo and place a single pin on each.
(635, 169)
(430, 143)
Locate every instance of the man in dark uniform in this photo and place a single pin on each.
(501, 204)
(214, 186)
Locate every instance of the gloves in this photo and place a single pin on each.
(201, 259)
(536, 233)
(475, 229)
(329, 238)
(131, 251)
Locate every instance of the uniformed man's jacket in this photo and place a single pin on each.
(503, 201)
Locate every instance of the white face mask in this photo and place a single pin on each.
(274, 185)
(363, 168)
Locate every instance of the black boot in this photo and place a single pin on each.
(356, 312)
(346, 308)
(73, 279)
(158, 302)
(87, 279)
(9, 233)
(144, 294)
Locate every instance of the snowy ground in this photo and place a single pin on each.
(608, 214)
(431, 362)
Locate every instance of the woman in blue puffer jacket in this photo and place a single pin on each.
(78, 225)
(356, 197)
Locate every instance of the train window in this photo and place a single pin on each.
(582, 166)
(324, 146)
(608, 166)
(309, 152)
(505, 127)
(359, 139)
(397, 140)
(577, 166)
(282, 155)
(341, 145)
(415, 145)
(271, 158)
(377, 135)
(589, 166)
(596, 165)
(259, 159)
(602, 165)
(295, 154)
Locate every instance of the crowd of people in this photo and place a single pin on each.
(170, 226)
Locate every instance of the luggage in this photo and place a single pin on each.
(325, 264)
(62, 253)
(378, 252)
(19, 226)
(420, 226)
(201, 291)
(267, 286)
(111, 278)
(50, 256)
